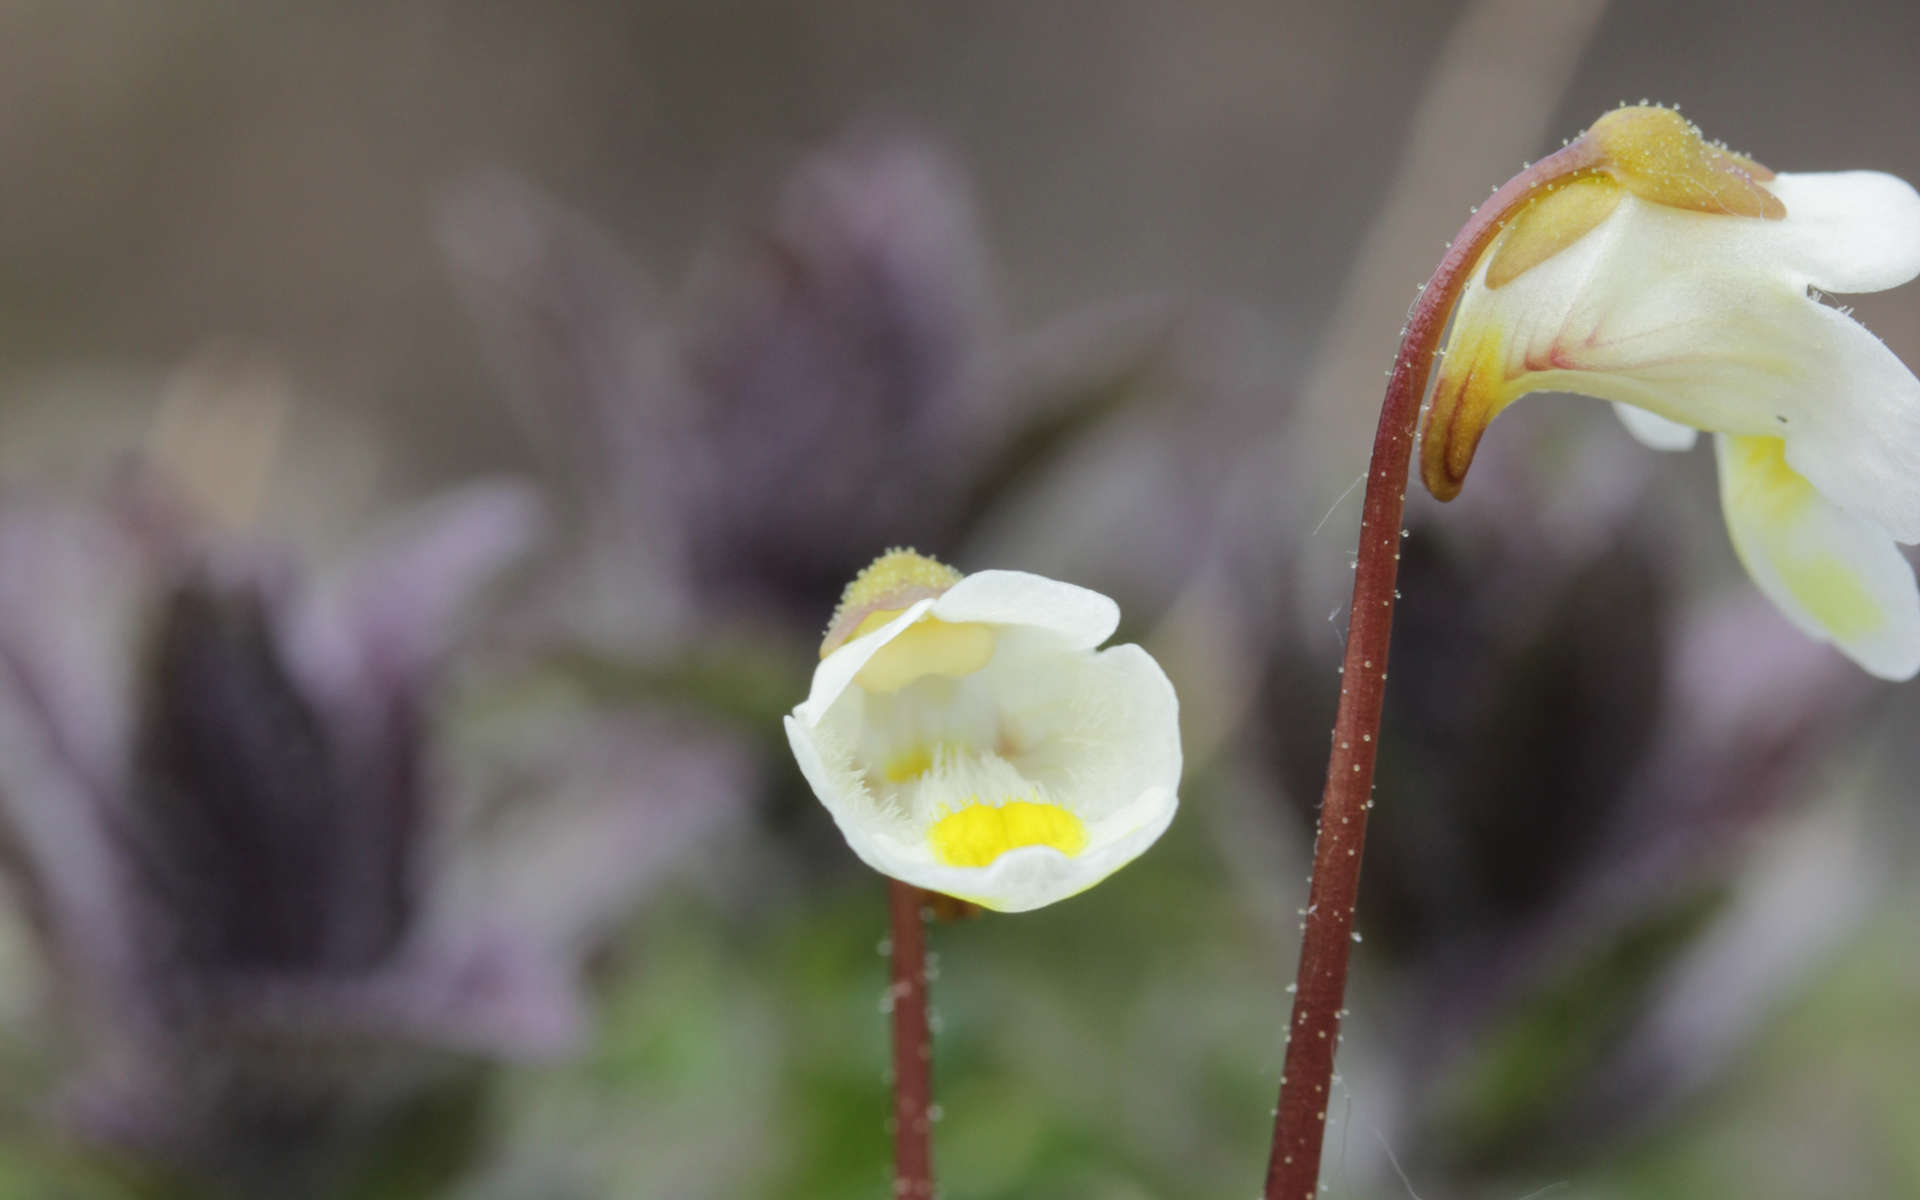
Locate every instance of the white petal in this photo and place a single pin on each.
(1694, 318)
(1099, 732)
(830, 784)
(1651, 429)
(1082, 618)
(838, 786)
(1856, 433)
(1837, 577)
(1849, 231)
(1097, 729)
(1035, 876)
(837, 670)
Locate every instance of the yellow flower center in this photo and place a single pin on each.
(977, 834)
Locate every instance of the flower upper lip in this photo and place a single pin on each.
(1675, 278)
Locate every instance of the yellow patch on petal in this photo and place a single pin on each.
(1661, 157)
(1825, 585)
(1561, 215)
(1767, 486)
(912, 764)
(1472, 389)
(1834, 596)
(928, 647)
(978, 834)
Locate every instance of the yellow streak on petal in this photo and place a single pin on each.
(1823, 584)
(928, 647)
(1661, 157)
(1561, 216)
(1833, 596)
(912, 764)
(1766, 486)
(1472, 390)
(978, 834)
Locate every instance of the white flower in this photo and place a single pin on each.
(969, 739)
(1685, 283)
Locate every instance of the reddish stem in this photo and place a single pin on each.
(1320, 985)
(912, 1046)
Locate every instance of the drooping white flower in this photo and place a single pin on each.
(970, 739)
(1686, 284)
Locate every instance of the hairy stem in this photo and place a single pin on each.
(912, 1046)
(1320, 983)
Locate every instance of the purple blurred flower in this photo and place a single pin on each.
(264, 889)
(827, 387)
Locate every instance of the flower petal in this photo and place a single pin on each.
(829, 783)
(1835, 576)
(1096, 729)
(1116, 763)
(1696, 319)
(1856, 436)
(1848, 231)
(1083, 618)
(836, 670)
(1651, 429)
(1035, 876)
(1021, 879)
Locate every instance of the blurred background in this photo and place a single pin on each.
(433, 436)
